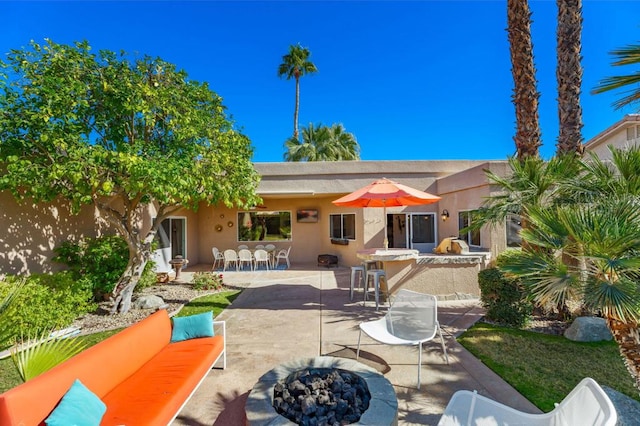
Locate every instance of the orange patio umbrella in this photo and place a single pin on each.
(386, 193)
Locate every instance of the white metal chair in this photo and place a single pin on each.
(271, 251)
(243, 247)
(259, 246)
(283, 254)
(586, 404)
(412, 319)
(260, 256)
(230, 256)
(245, 258)
(218, 258)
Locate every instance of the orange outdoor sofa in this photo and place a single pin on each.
(141, 377)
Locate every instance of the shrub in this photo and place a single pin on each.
(102, 261)
(207, 281)
(504, 298)
(46, 302)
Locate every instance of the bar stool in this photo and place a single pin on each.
(357, 272)
(376, 275)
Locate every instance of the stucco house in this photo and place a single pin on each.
(297, 212)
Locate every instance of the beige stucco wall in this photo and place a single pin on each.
(440, 279)
(615, 135)
(31, 231)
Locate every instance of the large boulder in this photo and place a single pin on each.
(588, 329)
(149, 302)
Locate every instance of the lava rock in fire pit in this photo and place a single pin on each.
(322, 397)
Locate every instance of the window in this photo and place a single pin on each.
(514, 225)
(343, 226)
(472, 237)
(264, 226)
(633, 133)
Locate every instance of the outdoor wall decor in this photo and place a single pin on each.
(230, 224)
(221, 215)
(307, 216)
(218, 227)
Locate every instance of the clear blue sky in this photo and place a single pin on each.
(411, 80)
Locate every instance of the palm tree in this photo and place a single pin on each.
(296, 64)
(525, 94)
(586, 247)
(569, 76)
(322, 143)
(628, 55)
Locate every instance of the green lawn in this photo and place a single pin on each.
(9, 377)
(546, 368)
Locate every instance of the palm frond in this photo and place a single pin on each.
(41, 355)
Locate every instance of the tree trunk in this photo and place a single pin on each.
(123, 291)
(525, 93)
(295, 111)
(569, 76)
(628, 340)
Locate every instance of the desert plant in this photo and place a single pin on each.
(504, 298)
(207, 281)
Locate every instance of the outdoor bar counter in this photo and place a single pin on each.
(449, 276)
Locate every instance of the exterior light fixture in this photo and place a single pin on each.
(445, 215)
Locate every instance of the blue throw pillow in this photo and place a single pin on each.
(199, 325)
(78, 407)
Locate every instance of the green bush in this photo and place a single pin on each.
(207, 281)
(101, 261)
(504, 298)
(46, 302)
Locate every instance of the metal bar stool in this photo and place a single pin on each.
(376, 275)
(357, 272)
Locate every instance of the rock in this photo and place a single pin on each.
(588, 329)
(148, 302)
(628, 409)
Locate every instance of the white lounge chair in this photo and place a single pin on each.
(412, 320)
(586, 405)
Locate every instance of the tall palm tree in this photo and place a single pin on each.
(295, 64)
(569, 76)
(628, 55)
(525, 93)
(322, 143)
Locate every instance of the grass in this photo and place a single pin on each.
(10, 378)
(545, 368)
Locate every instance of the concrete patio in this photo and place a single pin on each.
(306, 312)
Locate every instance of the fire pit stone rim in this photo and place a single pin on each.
(383, 408)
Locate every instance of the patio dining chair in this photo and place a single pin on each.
(260, 256)
(586, 404)
(230, 257)
(218, 258)
(245, 258)
(271, 251)
(412, 320)
(283, 254)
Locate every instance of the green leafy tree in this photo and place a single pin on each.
(121, 134)
(295, 64)
(525, 92)
(628, 55)
(569, 76)
(322, 143)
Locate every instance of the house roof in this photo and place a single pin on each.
(603, 136)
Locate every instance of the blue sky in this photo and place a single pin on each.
(411, 80)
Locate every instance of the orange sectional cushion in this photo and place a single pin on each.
(100, 368)
(156, 392)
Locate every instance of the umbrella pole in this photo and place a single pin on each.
(384, 212)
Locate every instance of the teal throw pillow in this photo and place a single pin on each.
(199, 325)
(78, 407)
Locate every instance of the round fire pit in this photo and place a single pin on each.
(382, 405)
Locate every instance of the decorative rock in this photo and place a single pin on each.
(588, 329)
(148, 302)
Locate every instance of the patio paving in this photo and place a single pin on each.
(306, 312)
